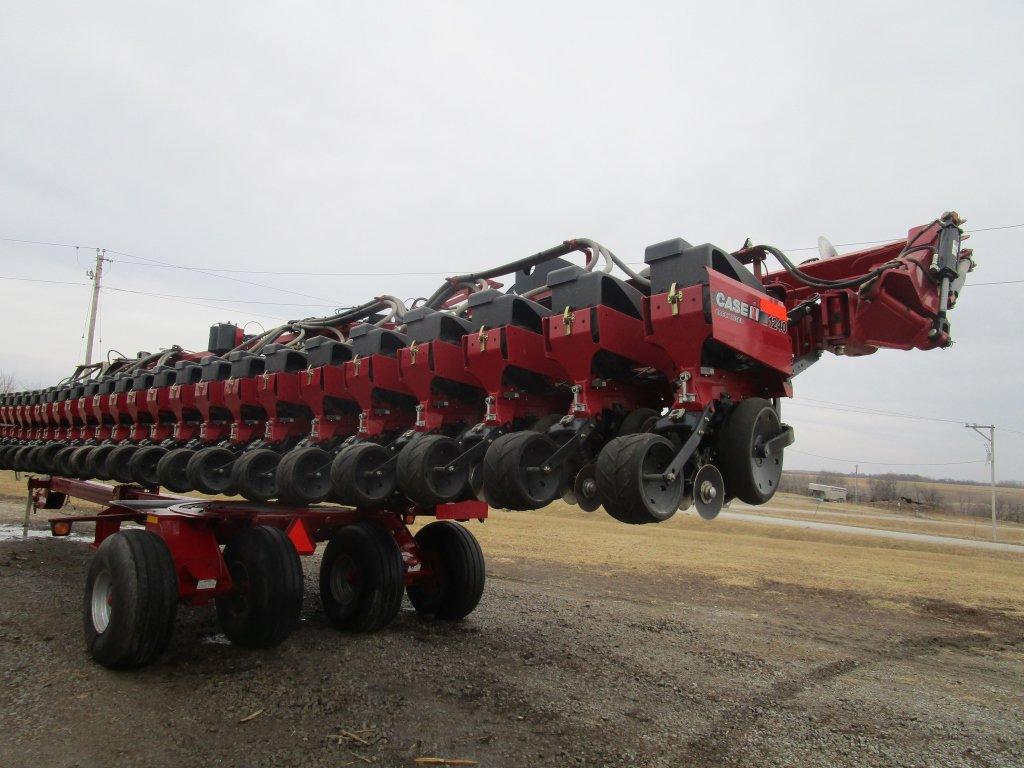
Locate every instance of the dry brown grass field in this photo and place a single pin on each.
(748, 554)
(752, 554)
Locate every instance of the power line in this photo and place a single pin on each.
(893, 239)
(215, 298)
(209, 273)
(851, 408)
(222, 272)
(997, 282)
(303, 274)
(887, 463)
(172, 295)
(167, 297)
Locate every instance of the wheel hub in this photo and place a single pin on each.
(708, 491)
(100, 602)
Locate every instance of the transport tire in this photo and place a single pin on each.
(265, 605)
(131, 598)
(747, 476)
(118, 463)
(361, 578)
(209, 469)
(97, 463)
(512, 474)
(5, 456)
(61, 461)
(304, 476)
(79, 461)
(639, 420)
(457, 562)
(626, 491)
(143, 463)
(417, 473)
(171, 470)
(254, 474)
(359, 477)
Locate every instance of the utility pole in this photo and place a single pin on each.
(856, 483)
(96, 275)
(990, 438)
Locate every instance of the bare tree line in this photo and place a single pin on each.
(889, 489)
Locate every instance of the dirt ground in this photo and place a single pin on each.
(684, 644)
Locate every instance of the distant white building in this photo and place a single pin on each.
(827, 492)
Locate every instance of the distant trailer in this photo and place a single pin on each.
(827, 492)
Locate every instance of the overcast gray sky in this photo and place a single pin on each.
(442, 137)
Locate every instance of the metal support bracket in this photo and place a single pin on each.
(690, 446)
(776, 444)
(475, 451)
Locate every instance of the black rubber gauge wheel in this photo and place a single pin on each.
(631, 479)
(749, 476)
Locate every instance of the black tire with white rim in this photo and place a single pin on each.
(266, 601)
(456, 563)
(361, 578)
(131, 598)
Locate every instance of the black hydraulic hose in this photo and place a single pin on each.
(453, 284)
(852, 282)
(301, 328)
(816, 282)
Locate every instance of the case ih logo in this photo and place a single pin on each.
(767, 311)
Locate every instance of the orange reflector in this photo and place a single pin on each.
(300, 537)
(60, 528)
(773, 308)
(152, 519)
